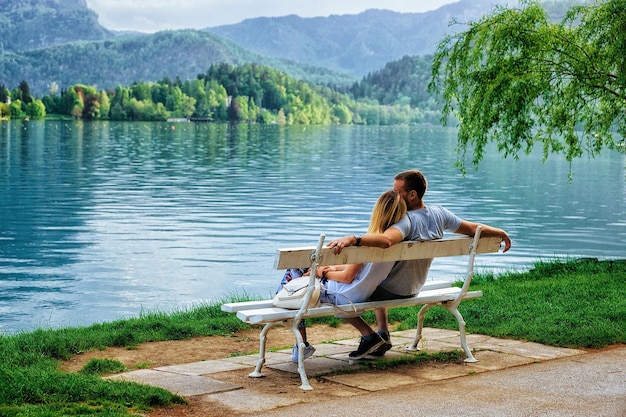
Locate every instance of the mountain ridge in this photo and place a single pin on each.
(123, 60)
(353, 43)
(336, 50)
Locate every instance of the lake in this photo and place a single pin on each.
(108, 220)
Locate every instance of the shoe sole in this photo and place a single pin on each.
(382, 349)
(367, 352)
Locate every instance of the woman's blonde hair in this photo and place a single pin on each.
(388, 210)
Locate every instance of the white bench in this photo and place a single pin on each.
(433, 293)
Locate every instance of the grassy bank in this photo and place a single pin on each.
(575, 304)
(578, 304)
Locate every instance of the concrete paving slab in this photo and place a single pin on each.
(203, 367)
(374, 381)
(185, 385)
(329, 349)
(270, 358)
(475, 339)
(490, 343)
(314, 365)
(540, 352)
(348, 342)
(492, 361)
(436, 345)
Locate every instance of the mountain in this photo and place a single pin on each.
(30, 24)
(45, 41)
(126, 59)
(61, 41)
(355, 44)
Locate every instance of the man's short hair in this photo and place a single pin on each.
(413, 180)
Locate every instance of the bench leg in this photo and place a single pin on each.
(300, 341)
(262, 339)
(420, 326)
(455, 312)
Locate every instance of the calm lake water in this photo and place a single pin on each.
(100, 221)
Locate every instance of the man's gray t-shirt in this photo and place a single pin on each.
(428, 223)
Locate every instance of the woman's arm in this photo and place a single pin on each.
(339, 273)
(388, 238)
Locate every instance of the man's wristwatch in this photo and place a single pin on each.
(358, 240)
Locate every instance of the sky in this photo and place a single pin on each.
(154, 15)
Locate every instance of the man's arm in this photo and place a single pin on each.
(388, 238)
(469, 229)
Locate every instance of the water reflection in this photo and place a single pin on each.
(104, 220)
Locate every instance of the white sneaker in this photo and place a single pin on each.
(308, 351)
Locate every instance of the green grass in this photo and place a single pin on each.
(580, 304)
(32, 385)
(103, 367)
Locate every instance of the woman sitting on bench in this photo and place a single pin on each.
(354, 283)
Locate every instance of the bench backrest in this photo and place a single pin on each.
(450, 246)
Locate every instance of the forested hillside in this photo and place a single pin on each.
(400, 82)
(124, 60)
(245, 93)
(30, 24)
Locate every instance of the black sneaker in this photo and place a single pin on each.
(382, 349)
(367, 345)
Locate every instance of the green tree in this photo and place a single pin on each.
(92, 107)
(159, 91)
(118, 112)
(517, 78)
(281, 119)
(235, 112)
(4, 94)
(15, 109)
(23, 92)
(36, 109)
(119, 102)
(4, 110)
(141, 91)
(145, 110)
(179, 103)
(74, 99)
(217, 99)
(105, 104)
(342, 114)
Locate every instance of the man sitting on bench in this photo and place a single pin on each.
(407, 277)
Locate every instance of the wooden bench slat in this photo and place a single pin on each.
(452, 246)
(249, 305)
(273, 314)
